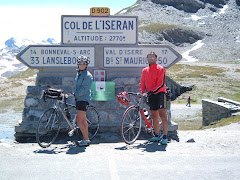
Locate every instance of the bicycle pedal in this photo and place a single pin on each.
(70, 133)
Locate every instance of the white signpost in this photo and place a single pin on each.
(137, 56)
(37, 56)
(99, 30)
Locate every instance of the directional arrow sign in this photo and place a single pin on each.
(136, 56)
(37, 56)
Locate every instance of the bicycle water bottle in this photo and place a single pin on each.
(148, 117)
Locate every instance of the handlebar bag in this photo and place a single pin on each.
(54, 93)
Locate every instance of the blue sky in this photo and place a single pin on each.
(40, 19)
(113, 4)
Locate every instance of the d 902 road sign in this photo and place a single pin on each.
(99, 11)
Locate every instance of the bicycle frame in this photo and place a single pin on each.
(140, 100)
(58, 108)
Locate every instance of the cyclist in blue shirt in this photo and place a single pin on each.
(82, 94)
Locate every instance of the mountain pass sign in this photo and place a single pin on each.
(136, 56)
(99, 30)
(37, 56)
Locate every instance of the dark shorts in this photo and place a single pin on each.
(82, 105)
(157, 101)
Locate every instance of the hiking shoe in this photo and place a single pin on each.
(83, 143)
(164, 141)
(154, 139)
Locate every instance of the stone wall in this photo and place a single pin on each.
(229, 101)
(215, 111)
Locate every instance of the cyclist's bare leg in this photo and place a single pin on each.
(82, 122)
(163, 116)
(155, 117)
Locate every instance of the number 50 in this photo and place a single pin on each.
(162, 60)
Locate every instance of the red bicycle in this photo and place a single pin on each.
(131, 125)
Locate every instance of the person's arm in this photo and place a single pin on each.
(142, 83)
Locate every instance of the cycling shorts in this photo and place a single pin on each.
(82, 105)
(157, 101)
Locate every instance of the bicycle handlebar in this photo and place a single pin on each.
(140, 95)
(63, 96)
(133, 93)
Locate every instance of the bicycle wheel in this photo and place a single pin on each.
(131, 125)
(93, 120)
(48, 128)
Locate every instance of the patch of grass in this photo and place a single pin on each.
(233, 96)
(189, 125)
(196, 124)
(25, 74)
(237, 70)
(17, 104)
(13, 90)
(185, 71)
(223, 122)
(208, 83)
(156, 27)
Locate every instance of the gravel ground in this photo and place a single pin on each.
(181, 111)
(214, 154)
(215, 142)
(222, 140)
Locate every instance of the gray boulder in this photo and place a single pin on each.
(178, 36)
(190, 6)
(216, 3)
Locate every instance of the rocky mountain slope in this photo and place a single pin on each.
(9, 65)
(211, 25)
